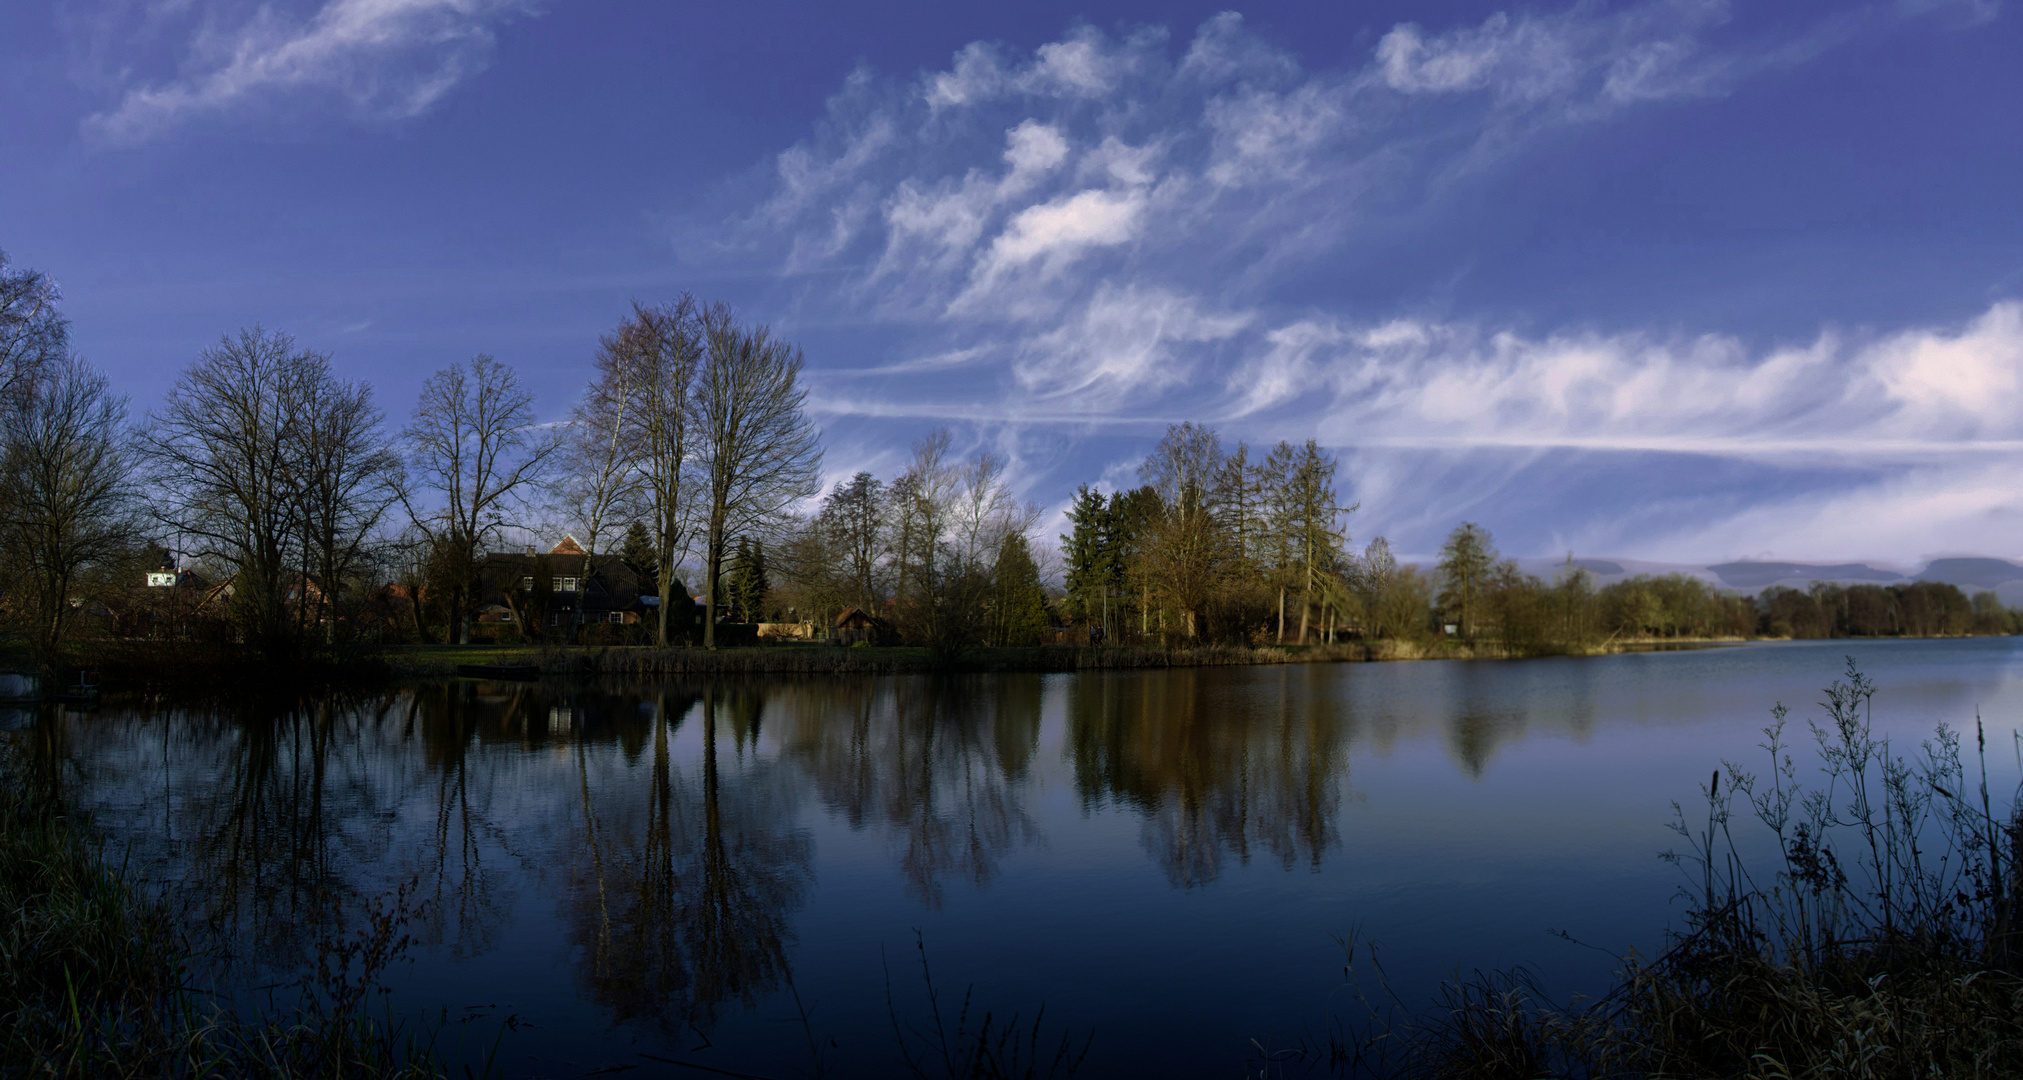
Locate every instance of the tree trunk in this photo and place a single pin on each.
(713, 568)
(666, 584)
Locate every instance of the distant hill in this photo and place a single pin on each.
(1760, 575)
(1979, 573)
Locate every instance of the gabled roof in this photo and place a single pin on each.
(843, 617)
(568, 546)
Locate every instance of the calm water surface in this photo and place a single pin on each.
(1162, 857)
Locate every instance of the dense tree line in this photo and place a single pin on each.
(289, 514)
(284, 513)
(1484, 598)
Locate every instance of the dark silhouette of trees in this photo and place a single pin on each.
(852, 519)
(34, 335)
(757, 452)
(227, 451)
(346, 477)
(645, 393)
(68, 468)
(475, 446)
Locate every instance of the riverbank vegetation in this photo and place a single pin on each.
(99, 978)
(266, 516)
(1885, 940)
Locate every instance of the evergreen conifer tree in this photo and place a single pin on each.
(1021, 602)
(1465, 564)
(1087, 549)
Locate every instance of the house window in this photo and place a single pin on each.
(567, 584)
(554, 619)
(527, 583)
(618, 617)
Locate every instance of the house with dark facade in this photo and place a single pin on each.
(854, 625)
(559, 590)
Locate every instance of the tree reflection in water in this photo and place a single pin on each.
(663, 818)
(682, 898)
(269, 803)
(938, 761)
(1212, 776)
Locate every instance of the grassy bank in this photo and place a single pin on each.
(443, 660)
(1886, 942)
(98, 979)
(200, 669)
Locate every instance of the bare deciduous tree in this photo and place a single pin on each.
(1186, 549)
(919, 506)
(755, 448)
(224, 451)
(69, 469)
(651, 362)
(851, 524)
(474, 444)
(345, 476)
(599, 464)
(1310, 520)
(33, 334)
(986, 511)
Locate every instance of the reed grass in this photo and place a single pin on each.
(98, 978)
(836, 660)
(1885, 942)
(974, 1043)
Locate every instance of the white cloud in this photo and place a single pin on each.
(1949, 508)
(1031, 149)
(970, 192)
(1096, 231)
(385, 58)
(1418, 384)
(1126, 342)
(1058, 231)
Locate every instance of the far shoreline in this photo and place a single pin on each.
(441, 661)
(182, 667)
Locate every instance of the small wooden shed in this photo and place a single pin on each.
(853, 625)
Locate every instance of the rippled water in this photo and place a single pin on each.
(640, 871)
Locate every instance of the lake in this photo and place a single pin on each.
(603, 875)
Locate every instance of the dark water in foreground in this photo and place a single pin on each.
(640, 869)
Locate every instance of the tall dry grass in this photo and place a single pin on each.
(834, 660)
(99, 979)
(1883, 942)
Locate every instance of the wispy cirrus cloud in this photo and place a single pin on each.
(1099, 228)
(1404, 383)
(998, 192)
(379, 58)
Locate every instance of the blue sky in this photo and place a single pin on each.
(1671, 280)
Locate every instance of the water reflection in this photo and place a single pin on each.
(681, 895)
(647, 855)
(938, 762)
(1213, 774)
